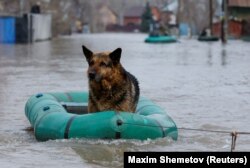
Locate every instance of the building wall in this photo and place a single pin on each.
(132, 20)
(242, 14)
(234, 29)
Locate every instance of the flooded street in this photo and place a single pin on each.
(200, 85)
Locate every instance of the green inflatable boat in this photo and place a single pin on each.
(160, 39)
(64, 115)
(208, 38)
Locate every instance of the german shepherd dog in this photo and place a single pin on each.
(111, 87)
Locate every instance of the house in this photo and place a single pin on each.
(239, 19)
(104, 16)
(240, 10)
(234, 29)
(132, 16)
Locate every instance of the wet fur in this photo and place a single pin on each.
(111, 87)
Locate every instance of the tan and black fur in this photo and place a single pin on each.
(111, 87)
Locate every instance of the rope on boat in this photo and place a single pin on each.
(234, 134)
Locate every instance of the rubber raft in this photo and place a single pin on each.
(208, 38)
(160, 39)
(64, 115)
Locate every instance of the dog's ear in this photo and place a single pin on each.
(88, 54)
(116, 55)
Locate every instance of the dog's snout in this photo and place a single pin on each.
(92, 75)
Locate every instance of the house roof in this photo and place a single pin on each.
(238, 3)
(103, 5)
(134, 11)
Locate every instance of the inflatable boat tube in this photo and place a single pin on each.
(160, 39)
(210, 38)
(64, 115)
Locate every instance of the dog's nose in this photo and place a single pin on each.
(92, 75)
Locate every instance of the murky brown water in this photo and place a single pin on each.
(201, 85)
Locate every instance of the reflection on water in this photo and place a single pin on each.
(223, 55)
(201, 85)
(210, 56)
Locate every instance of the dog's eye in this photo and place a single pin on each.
(103, 64)
(91, 63)
(109, 64)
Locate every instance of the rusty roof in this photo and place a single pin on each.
(239, 3)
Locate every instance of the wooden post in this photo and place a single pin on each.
(211, 16)
(21, 7)
(224, 22)
(179, 15)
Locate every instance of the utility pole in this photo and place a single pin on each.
(211, 16)
(21, 7)
(179, 14)
(224, 21)
(122, 11)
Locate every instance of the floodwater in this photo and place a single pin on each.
(200, 85)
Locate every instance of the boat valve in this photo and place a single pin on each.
(119, 122)
(39, 95)
(46, 108)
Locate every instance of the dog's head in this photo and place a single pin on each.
(102, 65)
